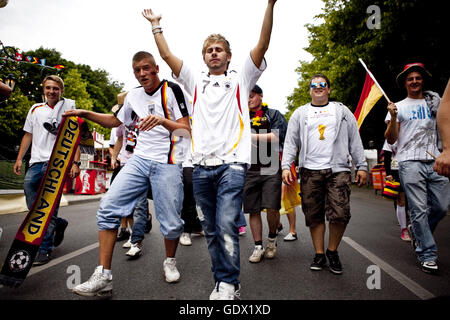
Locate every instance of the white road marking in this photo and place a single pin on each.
(59, 260)
(411, 285)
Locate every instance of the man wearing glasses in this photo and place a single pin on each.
(326, 135)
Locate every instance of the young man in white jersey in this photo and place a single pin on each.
(42, 141)
(326, 135)
(155, 163)
(221, 142)
(412, 123)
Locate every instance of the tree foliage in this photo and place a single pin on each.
(91, 89)
(410, 31)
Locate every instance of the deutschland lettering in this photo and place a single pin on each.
(53, 180)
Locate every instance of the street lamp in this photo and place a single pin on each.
(10, 81)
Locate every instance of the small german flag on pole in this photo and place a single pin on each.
(371, 93)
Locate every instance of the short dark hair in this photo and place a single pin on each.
(141, 55)
(320, 75)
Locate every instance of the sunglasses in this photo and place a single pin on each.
(314, 85)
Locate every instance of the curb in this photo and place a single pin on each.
(13, 201)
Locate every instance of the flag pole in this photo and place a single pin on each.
(374, 80)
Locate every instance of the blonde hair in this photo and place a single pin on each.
(55, 78)
(216, 37)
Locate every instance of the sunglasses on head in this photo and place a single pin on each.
(315, 85)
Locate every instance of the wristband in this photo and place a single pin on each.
(156, 27)
(157, 31)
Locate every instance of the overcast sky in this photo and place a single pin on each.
(105, 34)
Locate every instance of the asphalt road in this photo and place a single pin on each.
(377, 264)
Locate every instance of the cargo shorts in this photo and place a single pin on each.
(325, 195)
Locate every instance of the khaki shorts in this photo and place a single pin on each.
(325, 194)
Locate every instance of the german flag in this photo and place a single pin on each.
(371, 93)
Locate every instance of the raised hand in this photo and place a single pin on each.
(150, 16)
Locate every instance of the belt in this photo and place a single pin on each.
(212, 162)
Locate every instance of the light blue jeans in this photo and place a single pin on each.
(132, 183)
(33, 179)
(218, 193)
(428, 196)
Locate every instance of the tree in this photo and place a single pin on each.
(91, 89)
(409, 30)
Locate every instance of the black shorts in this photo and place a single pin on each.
(262, 191)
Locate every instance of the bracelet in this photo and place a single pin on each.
(156, 27)
(157, 31)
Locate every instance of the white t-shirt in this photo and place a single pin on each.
(42, 139)
(321, 128)
(220, 117)
(123, 155)
(113, 137)
(393, 149)
(417, 130)
(156, 144)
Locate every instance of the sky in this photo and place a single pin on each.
(105, 34)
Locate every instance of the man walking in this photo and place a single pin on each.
(220, 142)
(326, 135)
(412, 122)
(41, 139)
(155, 112)
(263, 180)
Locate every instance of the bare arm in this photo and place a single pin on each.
(116, 151)
(269, 137)
(172, 61)
(5, 90)
(105, 120)
(391, 133)
(259, 51)
(24, 145)
(442, 165)
(152, 121)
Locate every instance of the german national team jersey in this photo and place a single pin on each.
(220, 118)
(42, 140)
(157, 144)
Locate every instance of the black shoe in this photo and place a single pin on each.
(61, 225)
(280, 227)
(429, 267)
(334, 262)
(319, 262)
(43, 257)
(148, 224)
(123, 234)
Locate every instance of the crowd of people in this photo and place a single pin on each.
(208, 161)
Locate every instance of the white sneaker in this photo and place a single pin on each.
(291, 237)
(135, 250)
(271, 248)
(429, 266)
(185, 239)
(170, 270)
(257, 255)
(225, 291)
(99, 284)
(127, 244)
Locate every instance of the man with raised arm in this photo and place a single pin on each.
(153, 110)
(221, 142)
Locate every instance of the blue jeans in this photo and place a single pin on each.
(139, 219)
(218, 193)
(131, 185)
(31, 184)
(428, 195)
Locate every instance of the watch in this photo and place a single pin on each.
(78, 163)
